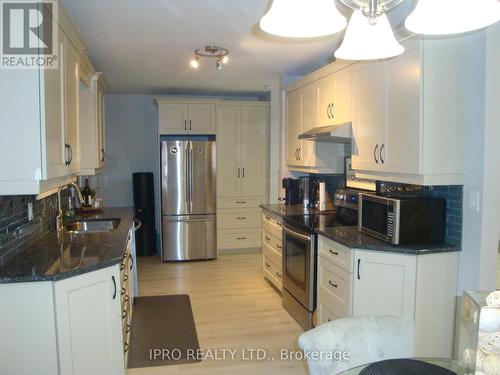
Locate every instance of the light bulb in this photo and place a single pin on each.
(195, 63)
(303, 18)
(446, 17)
(218, 64)
(368, 41)
(225, 59)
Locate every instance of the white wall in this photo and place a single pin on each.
(130, 145)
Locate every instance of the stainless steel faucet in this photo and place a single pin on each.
(60, 212)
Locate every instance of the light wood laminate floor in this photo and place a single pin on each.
(234, 308)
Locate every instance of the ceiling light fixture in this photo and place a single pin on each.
(303, 18)
(445, 17)
(368, 39)
(220, 53)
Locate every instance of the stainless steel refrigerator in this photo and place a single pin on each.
(188, 198)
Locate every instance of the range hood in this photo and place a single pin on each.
(340, 133)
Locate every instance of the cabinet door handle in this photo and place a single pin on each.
(114, 286)
(243, 172)
(278, 274)
(190, 128)
(66, 154)
(267, 265)
(241, 238)
(381, 153)
(185, 125)
(241, 202)
(300, 149)
(375, 150)
(239, 175)
(296, 156)
(241, 218)
(279, 247)
(359, 264)
(332, 110)
(334, 252)
(131, 262)
(267, 238)
(332, 284)
(103, 153)
(328, 110)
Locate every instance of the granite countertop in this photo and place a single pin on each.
(354, 239)
(50, 258)
(350, 236)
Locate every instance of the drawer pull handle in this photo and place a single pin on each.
(334, 252)
(128, 328)
(332, 284)
(268, 239)
(124, 314)
(127, 298)
(125, 347)
(241, 218)
(279, 247)
(241, 202)
(268, 265)
(123, 291)
(125, 278)
(241, 238)
(279, 224)
(267, 217)
(278, 274)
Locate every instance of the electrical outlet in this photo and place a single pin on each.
(474, 201)
(30, 211)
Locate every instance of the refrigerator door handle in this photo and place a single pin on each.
(190, 177)
(187, 172)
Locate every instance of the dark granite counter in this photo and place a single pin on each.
(352, 238)
(50, 258)
(284, 210)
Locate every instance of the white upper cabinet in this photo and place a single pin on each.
(40, 147)
(294, 126)
(419, 138)
(92, 124)
(178, 117)
(242, 150)
(334, 98)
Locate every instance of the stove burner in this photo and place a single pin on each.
(313, 222)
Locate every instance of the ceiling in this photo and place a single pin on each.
(144, 46)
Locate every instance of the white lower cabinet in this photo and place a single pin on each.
(421, 288)
(272, 249)
(88, 323)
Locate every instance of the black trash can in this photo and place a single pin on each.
(144, 207)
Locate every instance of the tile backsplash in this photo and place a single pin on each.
(14, 216)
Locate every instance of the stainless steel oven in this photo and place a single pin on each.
(299, 273)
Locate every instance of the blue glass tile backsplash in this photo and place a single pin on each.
(454, 201)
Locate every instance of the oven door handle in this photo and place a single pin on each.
(298, 235)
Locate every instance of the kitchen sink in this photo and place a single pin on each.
(93, 225)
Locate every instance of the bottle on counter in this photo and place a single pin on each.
(87, 194)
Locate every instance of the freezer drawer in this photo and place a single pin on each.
(189, 237)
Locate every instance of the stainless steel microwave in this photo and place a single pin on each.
(402, 221)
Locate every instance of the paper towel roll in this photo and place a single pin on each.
(322, 196)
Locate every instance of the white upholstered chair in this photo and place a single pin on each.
(367, 339)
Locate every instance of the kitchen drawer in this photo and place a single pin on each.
(326, 313)
(270, 240)
(339, 254)
(248, 218)
(336, 284)
(272, 255)
(271, 272)
(239, 203)
(239, 239)
(271, 225)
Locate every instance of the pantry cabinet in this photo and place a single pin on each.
(179, 117)
(92, 124)
(409, 114)
(40, 149)
(242, 172)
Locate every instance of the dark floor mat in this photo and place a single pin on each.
(163, 332)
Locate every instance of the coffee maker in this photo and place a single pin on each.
(292, 192)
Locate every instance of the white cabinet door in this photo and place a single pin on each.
(368, 115)
(55, 154)
(326, 94)
(384, 284)
(307, 149)
(201, 118)
(293, 126)
(72, 89)
(172, 118)
(402, 151)
(88, 317)
(228, 152)
(341, 108)
(101, 126)
(253, 140)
